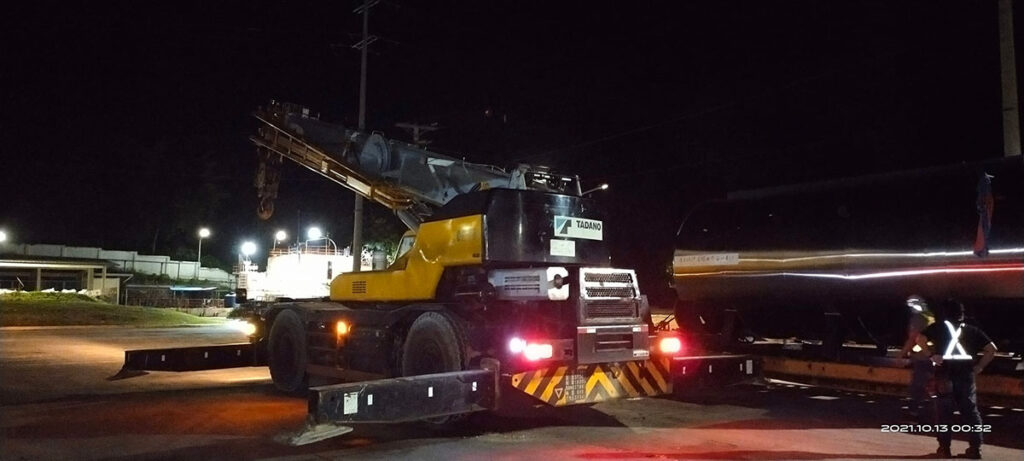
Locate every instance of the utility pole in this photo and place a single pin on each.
(1008, 66)
(363, 45)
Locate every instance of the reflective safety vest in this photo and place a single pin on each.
(955, 351)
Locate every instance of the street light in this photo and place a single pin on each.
(279, 237)
(203, 233)
(601, 187)
(3, 236)
(314, 233)
(248, 249)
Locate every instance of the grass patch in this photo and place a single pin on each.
(43, 297)
(53, 309)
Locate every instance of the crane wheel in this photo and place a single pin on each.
(434, 344)
(287, 357)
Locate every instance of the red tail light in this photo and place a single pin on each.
(670, 345)
(534, 352)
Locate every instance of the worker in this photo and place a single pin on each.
(953, 346)
(921, 365)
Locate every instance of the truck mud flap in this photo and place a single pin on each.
(405, 399)
(716, 370)
(138, 362)
(577, 384)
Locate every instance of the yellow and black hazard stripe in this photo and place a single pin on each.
(546, 384)
(571, 385)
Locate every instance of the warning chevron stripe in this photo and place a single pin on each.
(601, 387)
(633, 379)
(570, 385)
(659, 377)
(599, 380)
(639, 372)
(628, 387)
(555, 380)
(518, 379)
(534, 383)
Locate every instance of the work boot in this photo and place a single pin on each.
(971, 453)
(943, 453)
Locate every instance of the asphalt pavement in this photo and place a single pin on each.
(55, 403)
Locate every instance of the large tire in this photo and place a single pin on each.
(434, 344)
(287, 355)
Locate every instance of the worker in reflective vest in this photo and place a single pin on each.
(953, 346)
(920, 358)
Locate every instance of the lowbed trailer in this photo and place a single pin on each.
(502, 287)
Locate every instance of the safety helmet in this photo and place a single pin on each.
(917, 303)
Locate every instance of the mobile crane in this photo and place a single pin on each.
(502, 286)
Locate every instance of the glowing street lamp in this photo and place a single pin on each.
(3, 236)
(203, 233)
(248, 249)
(279, 236)
(314, 233)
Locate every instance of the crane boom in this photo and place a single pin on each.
(405, 178)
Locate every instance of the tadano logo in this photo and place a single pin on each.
(562, 225)
(566, 226)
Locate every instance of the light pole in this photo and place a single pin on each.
(589, 191)
(314, 233)
(203, 233)
(280, 236)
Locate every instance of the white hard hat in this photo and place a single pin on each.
(917, 303)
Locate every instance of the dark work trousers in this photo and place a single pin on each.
(957, 390)
(922, 372)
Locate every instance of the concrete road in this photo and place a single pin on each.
(52, 410)
(46, 363)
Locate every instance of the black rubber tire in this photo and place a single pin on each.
(287, 353)
(434, 344)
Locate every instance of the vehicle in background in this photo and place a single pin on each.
(834, 261)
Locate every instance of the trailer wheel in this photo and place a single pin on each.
(287, 358)
(434, 344)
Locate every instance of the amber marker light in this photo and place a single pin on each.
(341, 328)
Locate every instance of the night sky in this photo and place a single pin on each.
(125, 125)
